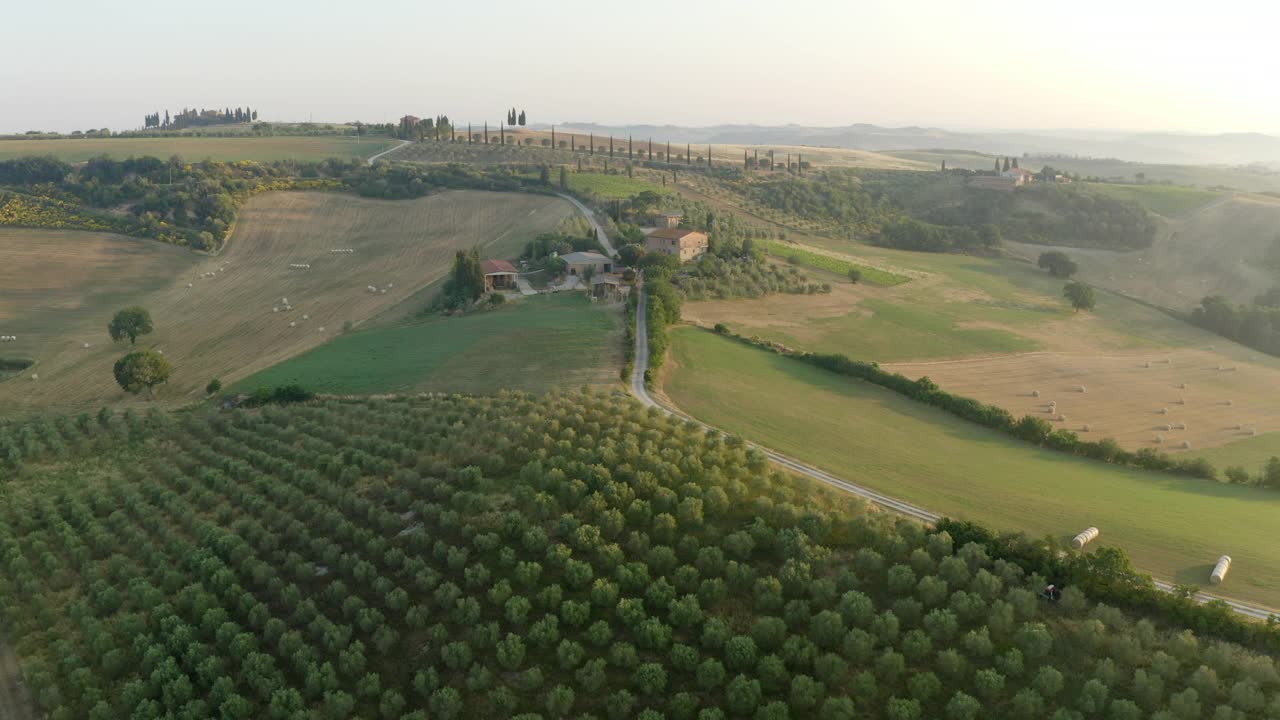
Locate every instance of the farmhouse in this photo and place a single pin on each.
(498, 275)
(609, 286)
(681, 242)
(582, 263)
(1019, 176)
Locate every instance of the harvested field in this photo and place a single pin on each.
(1124, 398)
(223, 325)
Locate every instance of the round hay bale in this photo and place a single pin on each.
(1228, 403)
(1159, 439)
(1164, 411)
(1062, 418)
(35, 376)
(1186, 444)
(1146, 364)
(321, 329)
(1080, 388)
(1253, 432)
(1166, 427)
(1236, 426)
(1182, 386)
(306, 317)
(293, 324)
(1219, 368)
(1084, 428)
(1182, 401)
(85, 346)
(190, 285)
(1084, 538)
(1035, 393)
(1220, 570)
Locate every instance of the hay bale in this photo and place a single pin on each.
(306, 317)
(1035, 393)
(293, 324)
(35, 376)
(1084, 428)
(1186, 444)
(1228, 403)
(85, 346)
(1062, 418)
(1084, 538)
(321, 329)
(1182, 386)
(1236, 427)
(1182, 401)
(1146, 364)
(1080, 388)
(1253, 432)
(1159, 439)
(1166, 427)
(1219, 368)
(1164, 411)
(190, 285)
(1220, 570)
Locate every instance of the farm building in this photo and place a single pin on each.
(582, 263)
(683, 243)
(609, 286)
(1019, 176)
(498, 275)
(669, 220)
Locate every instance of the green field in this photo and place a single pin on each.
(536, 343)
(1171, 201)
(839, 266)
(611, 187)
(262, 149)
(1172, 527)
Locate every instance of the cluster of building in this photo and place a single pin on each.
(600, 274)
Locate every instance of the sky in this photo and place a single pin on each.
(1122, 64)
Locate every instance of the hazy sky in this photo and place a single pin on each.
(75, 64)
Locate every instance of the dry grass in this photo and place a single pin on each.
(223, 326)
(1124, 398)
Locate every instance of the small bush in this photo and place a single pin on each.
(214, 386)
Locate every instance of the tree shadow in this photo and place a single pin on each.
(1197, 575)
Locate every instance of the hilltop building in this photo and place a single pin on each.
(681, 242)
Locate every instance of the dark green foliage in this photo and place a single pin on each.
(130, 323)
(1257, 326)
(1080, 295)
(1058, 264)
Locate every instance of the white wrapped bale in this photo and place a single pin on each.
(1220, 570)
(1084, 538)
(293, 324)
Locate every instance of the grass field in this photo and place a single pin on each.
(612, 186)
(199, 148)
(831, 262)
(534, 343)
(1172, 527)
(223, 326)
(1171, 201)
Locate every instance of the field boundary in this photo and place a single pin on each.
(15, 700)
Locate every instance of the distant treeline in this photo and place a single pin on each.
(190, 117)
(1030, 429)
(937, 212)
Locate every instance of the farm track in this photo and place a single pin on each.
(388, 151)
(638, 389)
(15, 701)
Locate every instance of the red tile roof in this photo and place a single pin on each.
(672, 233)
(490, 267)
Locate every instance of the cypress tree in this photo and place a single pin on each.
(997, 166)
(573, 142)
(610, 148)
(502, 134)
(553, 137)
(1006, 164)
(630, 155)
(469, 134)
(593, 143)
(668, 151)
(486, 132)
(944, 166)
(650, 149)
(1015, 162)
(688, 154)
(745, 166)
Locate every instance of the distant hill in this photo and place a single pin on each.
(1151, 147)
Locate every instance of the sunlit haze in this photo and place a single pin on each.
(83, 63)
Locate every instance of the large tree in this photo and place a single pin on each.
(1079, 295)
(130, 323)
(1058, 264)
(142, 369)
(467, 279)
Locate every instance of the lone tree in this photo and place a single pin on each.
(466, 280)
(130, 323)
(1079, 295)
(142, 369)
(1058, 264)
